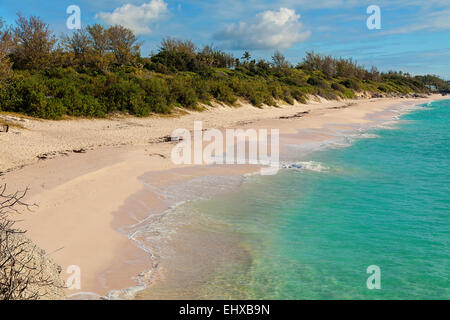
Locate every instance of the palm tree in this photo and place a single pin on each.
(246, 56)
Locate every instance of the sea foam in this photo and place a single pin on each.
(306, 165)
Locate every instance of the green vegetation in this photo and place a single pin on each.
(435, 83)
(98, 71)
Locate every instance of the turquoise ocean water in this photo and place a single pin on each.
(382, 201)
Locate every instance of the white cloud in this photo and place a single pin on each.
(137, 18)
(268, 30)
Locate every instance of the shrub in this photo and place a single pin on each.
(202, 89)
(101, 72)
(298, 95)
(156, 95)
(287, 96)
(28, 95)
(338, 87)
(316, 82)
(222, 92)
(181, 92)
(125, 96)
(277, 91)
(351, 84)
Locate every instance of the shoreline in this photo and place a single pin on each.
(95, 189)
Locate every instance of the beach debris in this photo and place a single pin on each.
(42, 156)
(297, 115)
(53, 154)
(4, 128)
(11, 118)
(157, 155)
(166, 139)
(343, 106)
(243, 123)
(162, 139)
(176, 139)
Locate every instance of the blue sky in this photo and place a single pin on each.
(414, 35)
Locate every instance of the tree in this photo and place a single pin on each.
(123, 43)
(328, 66)
(374, 74)
(279, 61)
(177, 55)
(80, 44)
(100, 46)
(99, 38)
(246, 56)
(311, 61)
(20, 277)
(213, 57)
(34, 42)
(6, 46)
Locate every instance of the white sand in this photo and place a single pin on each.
(81, 195)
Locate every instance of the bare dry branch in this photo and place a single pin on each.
(21, 276)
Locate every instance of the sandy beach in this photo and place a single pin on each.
(95, 180)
